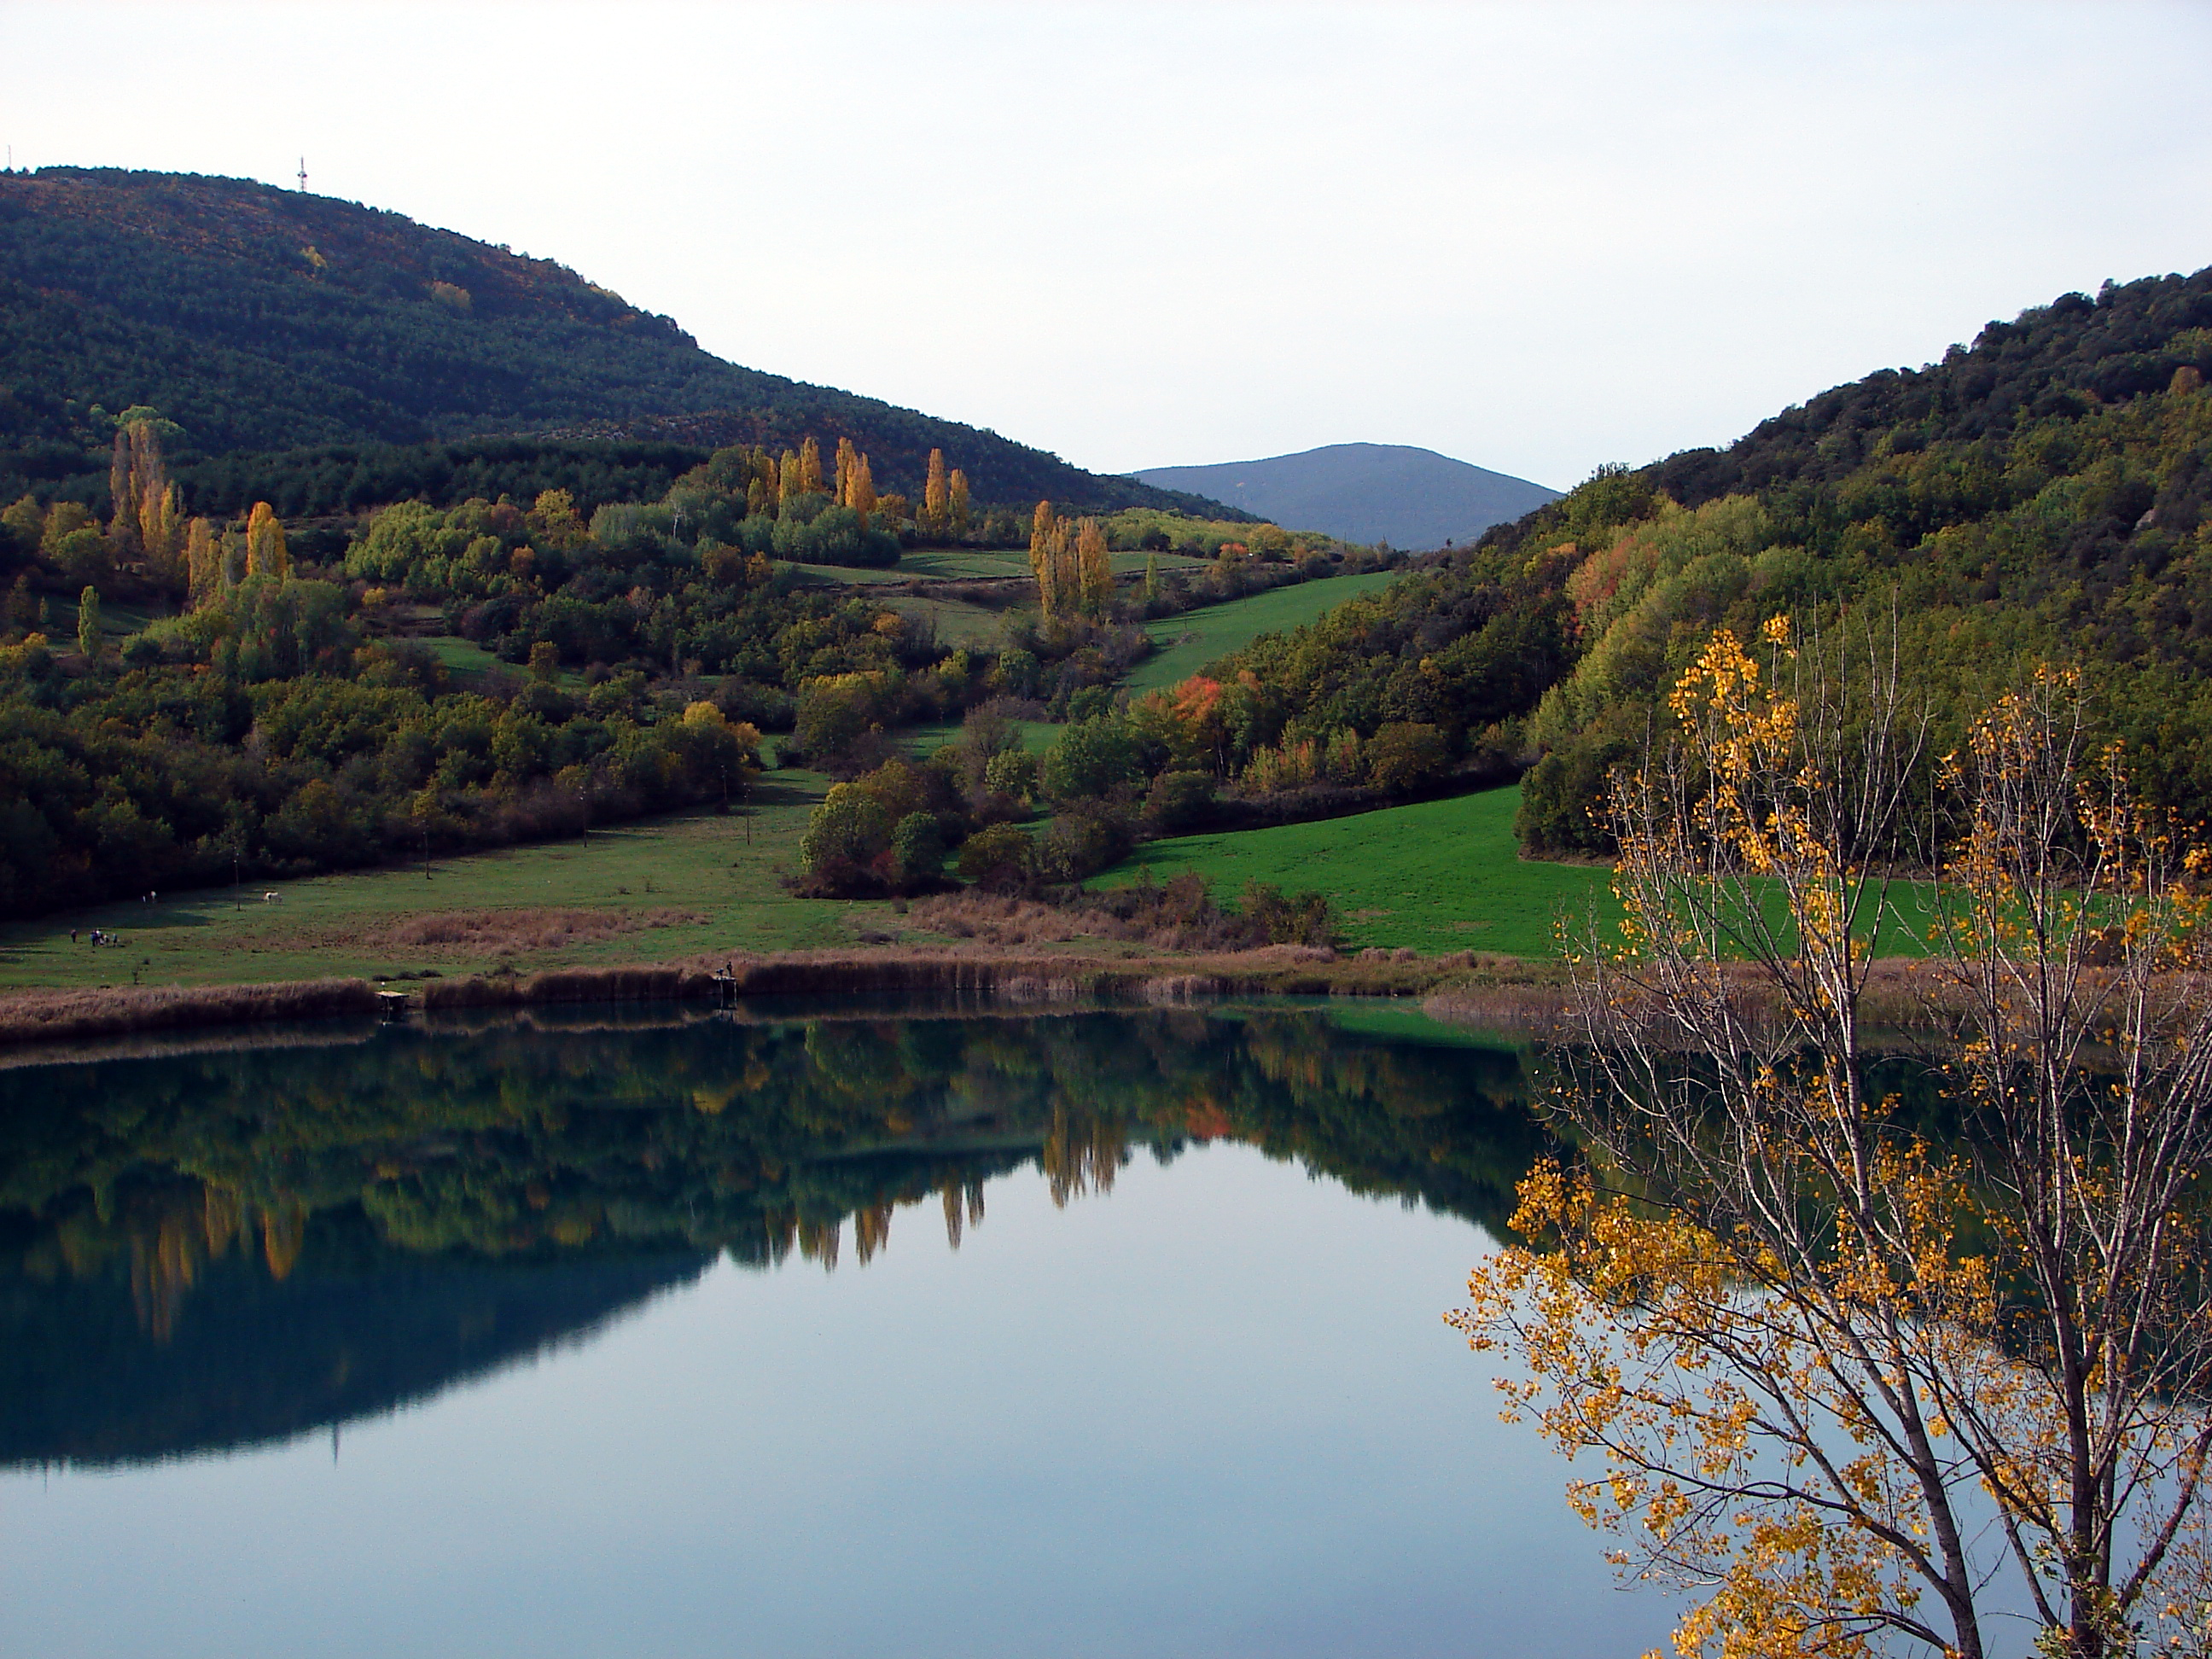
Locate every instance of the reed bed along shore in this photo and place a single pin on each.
(972, 973)
(27, 1016)
(1502, 994)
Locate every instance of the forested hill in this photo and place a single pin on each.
(2041, 494)
(267, 319)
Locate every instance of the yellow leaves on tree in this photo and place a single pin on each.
(1073, 570)
(1848, 1390)
(203, 571)
(266, 553)
(936, 516)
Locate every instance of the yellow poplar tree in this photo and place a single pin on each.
(1044, 559)
(861, 489)
(787, 478)
(1094, 569)
(936, 516)
(848, 462)
(265, 552)
(810, 468)
(161, 529)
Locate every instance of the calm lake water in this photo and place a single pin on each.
(806, 1334)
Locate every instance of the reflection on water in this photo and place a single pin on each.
(221, 1248)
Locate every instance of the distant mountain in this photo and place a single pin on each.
(1411, 498)
(261, 319)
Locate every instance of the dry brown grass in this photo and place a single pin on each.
(460, 934)
(59, 1016)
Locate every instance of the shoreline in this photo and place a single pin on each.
(1500, 988)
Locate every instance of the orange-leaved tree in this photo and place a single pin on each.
(1852, 1386)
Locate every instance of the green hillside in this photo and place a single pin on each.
(262, 320)
(1190, 641)
(2038, 496)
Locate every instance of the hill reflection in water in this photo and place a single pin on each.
(218, 1249)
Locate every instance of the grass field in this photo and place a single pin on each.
(722, 870)
(923, 741)
(1445, 875)
(1194, 639)
(957, 621)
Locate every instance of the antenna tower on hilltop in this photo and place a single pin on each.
(303, 173)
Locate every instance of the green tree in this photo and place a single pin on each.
(1091, 758)
(90, 638)
(918, 843)
(847, 831)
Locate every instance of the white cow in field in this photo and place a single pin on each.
(272, 898)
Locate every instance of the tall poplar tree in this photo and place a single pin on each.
(266, 553)
(936, 516)
(90, 638)
(861, 489)
(848, 464)
(1044, 559)
(810, 467)
(123, 500)
(202, 562)
(1094, 570)
(958, 487)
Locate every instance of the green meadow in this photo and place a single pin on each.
(1444, 875)
(656, 890)
(1188, 642)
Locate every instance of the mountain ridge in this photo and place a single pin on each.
(1365, 492)
(265, 319)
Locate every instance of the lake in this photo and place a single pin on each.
(797, 1332)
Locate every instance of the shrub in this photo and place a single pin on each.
(918, 843)
(1077, 845)
(1011, 772)
(1179, 800)
(844, 835)
(1405, 753)
(1290, 918)
(996, 857)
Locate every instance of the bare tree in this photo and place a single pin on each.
(1851, 1388)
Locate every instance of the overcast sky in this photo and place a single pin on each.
(1536, 237)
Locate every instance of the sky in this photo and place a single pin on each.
(1538, 238)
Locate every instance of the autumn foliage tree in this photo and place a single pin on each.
(935, 517)
(1848, 1385)
(266, 553)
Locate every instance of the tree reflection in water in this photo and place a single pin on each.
(208, 1250)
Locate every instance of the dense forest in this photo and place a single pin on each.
(2040, 494)
(265, 321)
(244, 1244)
